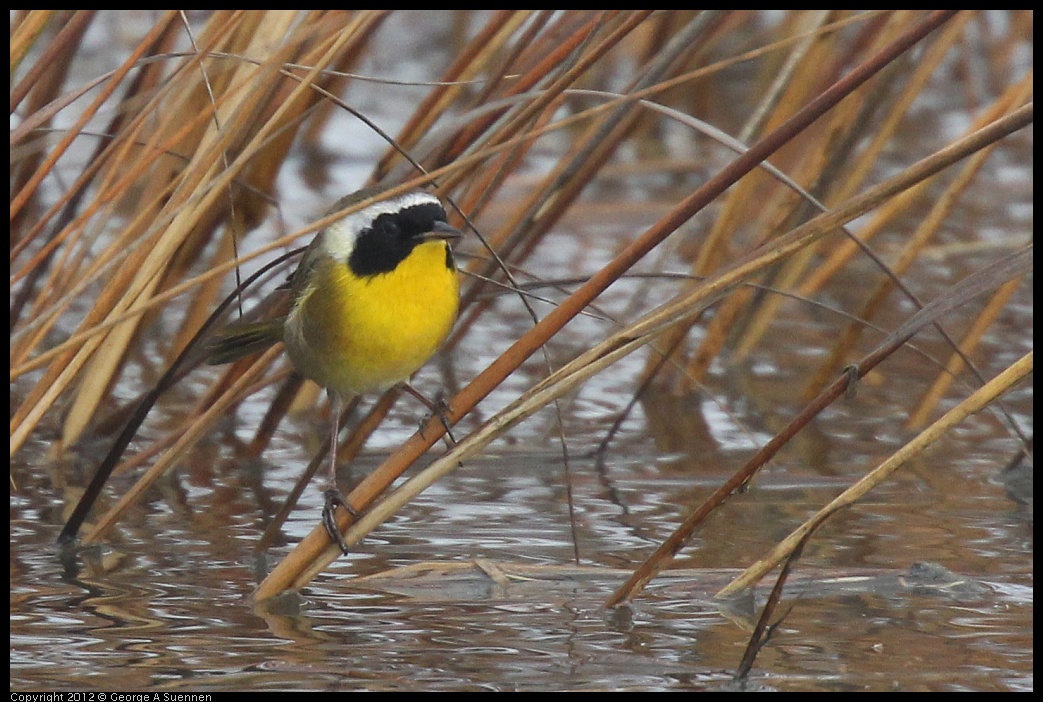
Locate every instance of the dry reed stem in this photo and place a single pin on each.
(857, 166)
(957, 361)
(980, 399)
(911, 251)
(189, 436)
(664, 554)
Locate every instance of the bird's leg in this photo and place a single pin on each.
(332, 494)
(438, 407)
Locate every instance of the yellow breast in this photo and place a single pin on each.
(357, 335)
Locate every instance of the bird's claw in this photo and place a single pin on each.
(333, 499)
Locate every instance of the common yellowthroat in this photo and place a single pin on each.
(373, 298)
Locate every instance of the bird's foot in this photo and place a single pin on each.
(333, 499)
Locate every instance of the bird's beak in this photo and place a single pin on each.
(443, 231)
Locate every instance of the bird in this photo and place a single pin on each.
(373, 298)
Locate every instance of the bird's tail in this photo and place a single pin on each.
(241, 340)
